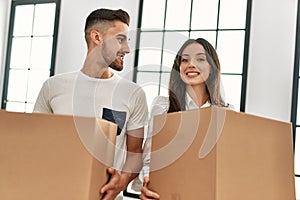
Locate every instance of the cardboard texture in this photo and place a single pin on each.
(227, 156)
(45, 156)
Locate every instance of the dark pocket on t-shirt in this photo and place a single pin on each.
(118, 117)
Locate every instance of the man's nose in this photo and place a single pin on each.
(126, 48)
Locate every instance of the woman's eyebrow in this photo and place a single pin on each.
(198, 54)
(201, 53)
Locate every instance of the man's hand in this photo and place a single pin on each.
(115, 185)
(118, 182)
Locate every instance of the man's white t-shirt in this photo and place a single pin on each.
(114, 99)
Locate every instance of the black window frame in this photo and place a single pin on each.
(14, 4)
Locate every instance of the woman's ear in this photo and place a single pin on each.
(96, 37)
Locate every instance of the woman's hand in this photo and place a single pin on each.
(147, 194)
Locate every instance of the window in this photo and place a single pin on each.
(30, 53)
(295, 113)
(164, 28)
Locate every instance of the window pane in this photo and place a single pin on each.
(231, 89)
(41, 52)
(153, 15)
(173, 41)
(210, 36)
(17, 85)
(149, 60)
(205, 14)
(20, 52)
(35, 82)
(178, 17)
(15, 107)
(44, 19)
(164, 85)
(168, 60)
(230, 49)
(150, 51)
(232, 13)
(150, 83)
(23, 20)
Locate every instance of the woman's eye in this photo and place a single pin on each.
(184, 60)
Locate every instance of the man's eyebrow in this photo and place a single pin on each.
(122, 35)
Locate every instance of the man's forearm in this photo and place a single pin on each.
(132, 166)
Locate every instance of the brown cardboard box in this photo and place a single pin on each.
(221, 155)
(49, 157)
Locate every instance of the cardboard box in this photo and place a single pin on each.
(51, 157)
(219, 154)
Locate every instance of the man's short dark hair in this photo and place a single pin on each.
(103, 14)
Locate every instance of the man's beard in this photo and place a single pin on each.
(117, 64)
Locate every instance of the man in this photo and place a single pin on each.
(96, 90)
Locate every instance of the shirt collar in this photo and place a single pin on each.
(190, 103)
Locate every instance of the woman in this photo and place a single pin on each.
(194, 83)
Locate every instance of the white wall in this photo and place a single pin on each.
(271, 58)
(71, 49)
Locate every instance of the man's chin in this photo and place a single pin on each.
(116, 66)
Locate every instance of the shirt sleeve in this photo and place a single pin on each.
(42, 104)
(139, 110)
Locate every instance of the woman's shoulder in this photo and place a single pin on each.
(230, 106)
(160, 100)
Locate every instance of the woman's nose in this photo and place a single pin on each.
(191, 64)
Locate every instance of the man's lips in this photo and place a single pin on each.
(120, 59)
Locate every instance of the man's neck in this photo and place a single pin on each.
(94, 73)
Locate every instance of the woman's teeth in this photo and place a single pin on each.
(192, 73)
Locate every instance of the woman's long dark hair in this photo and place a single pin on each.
(177, 88)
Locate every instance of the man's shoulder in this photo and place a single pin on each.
(126, 81)
(129, 84)
(63, 77)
